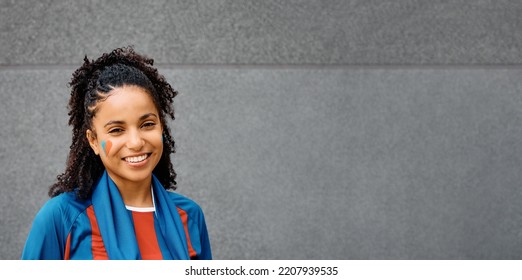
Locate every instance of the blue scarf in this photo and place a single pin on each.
(117, 228)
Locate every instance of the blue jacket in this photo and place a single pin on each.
(102, 228)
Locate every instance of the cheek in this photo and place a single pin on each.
(106, 146)
(161, 143)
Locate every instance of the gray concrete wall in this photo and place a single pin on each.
(305, 129)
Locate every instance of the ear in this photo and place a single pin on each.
(91, 137)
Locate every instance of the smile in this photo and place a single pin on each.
(137, 158)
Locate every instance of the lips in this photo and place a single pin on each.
(136, 159)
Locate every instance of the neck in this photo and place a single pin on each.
(136, 194)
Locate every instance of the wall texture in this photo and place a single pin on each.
(305, 129)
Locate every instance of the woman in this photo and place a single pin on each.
(115, 199)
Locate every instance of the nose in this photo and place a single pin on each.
(135, 140)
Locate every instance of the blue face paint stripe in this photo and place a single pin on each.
(103, 143)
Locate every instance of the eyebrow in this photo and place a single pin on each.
(122, 122)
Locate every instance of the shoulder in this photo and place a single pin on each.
(62, 208)
(192, 216)
(186, 204)
(51, 226)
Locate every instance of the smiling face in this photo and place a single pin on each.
(127, 135)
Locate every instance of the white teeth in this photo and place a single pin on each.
(135, 159)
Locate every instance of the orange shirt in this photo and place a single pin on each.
(146, 235)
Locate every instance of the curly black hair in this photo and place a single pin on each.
(90, 84)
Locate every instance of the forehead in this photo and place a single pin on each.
(125, 103)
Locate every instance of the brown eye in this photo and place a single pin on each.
(115, 131)
(149, 125)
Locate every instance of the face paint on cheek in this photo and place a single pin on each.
(106, 146)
